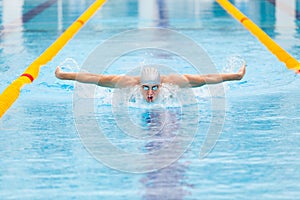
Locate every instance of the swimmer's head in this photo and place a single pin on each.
(150, 83)
(150, 75)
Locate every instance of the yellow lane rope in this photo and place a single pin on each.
(280, 53)
(12, 92)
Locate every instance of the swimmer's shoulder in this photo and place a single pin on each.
(175, 79)
(164, 79)
(127, 81)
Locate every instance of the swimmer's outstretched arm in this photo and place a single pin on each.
(200, 80)
(112, 81)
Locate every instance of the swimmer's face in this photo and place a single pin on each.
(150, 92)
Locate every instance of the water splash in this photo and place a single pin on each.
(233, 64)
(169, 96)
(69, 65)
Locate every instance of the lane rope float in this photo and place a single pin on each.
(12, 92)
(290, 62)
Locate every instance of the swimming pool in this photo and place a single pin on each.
(256, 155)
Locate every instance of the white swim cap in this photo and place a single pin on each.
(150, 75)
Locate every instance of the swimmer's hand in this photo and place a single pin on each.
(65, 75)
(59, 73)
(240, 74)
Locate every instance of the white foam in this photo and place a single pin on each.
(233, 64)
(69, 65)
(169, 96)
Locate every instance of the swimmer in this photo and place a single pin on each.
(150, 80)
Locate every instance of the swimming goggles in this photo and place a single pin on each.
(146, 87)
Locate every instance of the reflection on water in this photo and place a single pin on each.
(153, 13)
(166, 183)
(12, 27)
(256, 157)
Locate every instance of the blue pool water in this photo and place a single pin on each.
(256, 155)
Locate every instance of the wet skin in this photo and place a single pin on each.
(150, 92)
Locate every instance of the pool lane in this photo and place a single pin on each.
(12, 92)
(287, 8)
(34, 12)
(37, 10)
